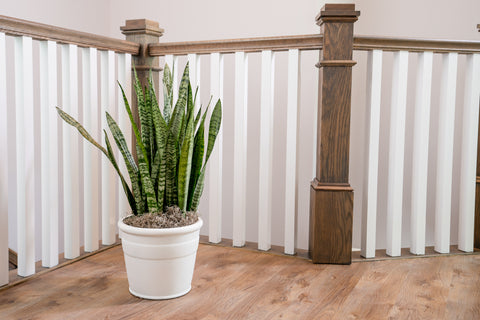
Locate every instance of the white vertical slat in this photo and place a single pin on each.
(446, 121)
(372, 125)
(240, 149)
(215, 162)
(293, 104)
(90, 153)
(109, 178)
(396, 153)
(4, 166)
(169, 61)
(175, 72)
(49, 150)
(194, 62)
(24, 123)
(266, 151)
(124, 76)
(71, 169)
(469, 154)
(314, 134)
(420, 152)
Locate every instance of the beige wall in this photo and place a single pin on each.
(84, 15)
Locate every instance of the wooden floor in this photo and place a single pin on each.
(233, 283)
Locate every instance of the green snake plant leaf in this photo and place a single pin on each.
(190, 103)
(167, 93)
(197, 159)
(177, 122)
(145, 116)
(71, 121)
(158, 178)
(155, 167)
(199, 113)
(183, 127)
(187, 116)
(151, 134)
(147, 183)
(215, 122)
(134, 125)
(171, 169)
(161, 183)
(195, 96)
(198, 191)
(185, 165)
(121, 142)
(128, 159)
(184, 83)
(160, 127)
(197, 118)
(130, 197)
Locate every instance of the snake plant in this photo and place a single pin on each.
(170, 146)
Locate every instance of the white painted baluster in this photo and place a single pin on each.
(71, 168)
(240, 149)
(466, 215)
(293, 107)
(49, 151)
(396, 153)
(420, 153)
(194, 61)
(175, 81)
(124, 77)
(446, 121)
(109, 177)
(91, 156)
(169, 61)
(372, 125)
(24, 125)
(266, 151)
(215, 161)
(4, 166)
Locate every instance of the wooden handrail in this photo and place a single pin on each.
(39, 31)
(415, 45)
(311, 42)
(302, 42)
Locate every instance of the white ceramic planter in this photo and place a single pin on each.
(160, 262)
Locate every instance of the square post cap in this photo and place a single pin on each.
(142, 26)
(337, 12)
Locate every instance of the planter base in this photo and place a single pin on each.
(159, 297)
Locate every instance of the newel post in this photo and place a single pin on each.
(144, 32)
(331, 197)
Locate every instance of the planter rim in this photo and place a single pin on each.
(157, 231)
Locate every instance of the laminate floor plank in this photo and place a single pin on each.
(232, 283)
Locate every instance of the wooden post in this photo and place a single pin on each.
(331, 197)
(144, 32)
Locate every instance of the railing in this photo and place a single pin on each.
(425, 50)
(335, 230)
(31, 147)
(34, 144)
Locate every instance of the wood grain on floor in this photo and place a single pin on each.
(232, 283)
